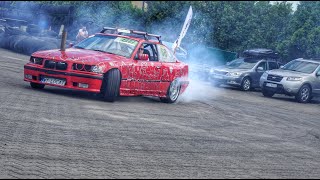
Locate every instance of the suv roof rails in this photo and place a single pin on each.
(130, 32)
(315, 58)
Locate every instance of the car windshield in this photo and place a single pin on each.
(110, 44)
(301, 66)
(242, 63)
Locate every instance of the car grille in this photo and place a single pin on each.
(220, 72)
(274, 78)
(50, 64)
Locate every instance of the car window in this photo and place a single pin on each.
(263, 65)
(273, 65)
(318, 72)
(153, 52)
(165, 54)
(242, 63)
(149, 49)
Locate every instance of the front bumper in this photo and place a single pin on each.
(223, 79)
(290, 88)
(73, 79)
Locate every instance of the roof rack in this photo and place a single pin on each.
(261, 52)
(315, 58)
(128, 32)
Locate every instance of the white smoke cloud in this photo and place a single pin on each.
(200, 91)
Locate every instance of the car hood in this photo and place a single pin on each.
(226, 69)
(79, 55)
(286, 73)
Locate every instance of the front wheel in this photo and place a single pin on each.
(267, 93)
(246, 84)
(111, 85)
(304, 94)
(36, 85)
(172, 93)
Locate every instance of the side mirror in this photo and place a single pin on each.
(260, 69)
(143, 57)
(281, 67)
(70, 45)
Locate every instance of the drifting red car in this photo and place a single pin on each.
(110, 63)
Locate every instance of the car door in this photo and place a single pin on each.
(259, 70)
(170, 69)
(147, 72)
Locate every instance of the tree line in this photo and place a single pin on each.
(228, 25)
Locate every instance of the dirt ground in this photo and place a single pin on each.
(209, 133)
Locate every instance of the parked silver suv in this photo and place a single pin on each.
(299, 78)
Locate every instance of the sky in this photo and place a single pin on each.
(294, 4)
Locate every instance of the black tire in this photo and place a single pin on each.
(171, 98)
(36, 85)
(267, 93)
(304, 94)
(245, 84)
(111, 85)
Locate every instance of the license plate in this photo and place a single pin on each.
(54, 81)
(271, 85)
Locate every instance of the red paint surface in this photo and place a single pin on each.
(149, 78)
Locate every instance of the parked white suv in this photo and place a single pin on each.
(299, 78)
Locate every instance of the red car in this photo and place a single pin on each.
(110, 64)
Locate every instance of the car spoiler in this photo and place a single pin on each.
(129, 32)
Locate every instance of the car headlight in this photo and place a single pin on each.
(36, 60)
(234, 74)
(294, 78)
(97, 69)
(264, 75)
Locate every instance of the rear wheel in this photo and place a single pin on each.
(172, 93)
(246, 84)
(111, 85)
(267, 93)
(304, 94)
(36, 85)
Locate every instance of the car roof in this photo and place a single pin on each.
(129, 37)
(309, 60)
(129, 33)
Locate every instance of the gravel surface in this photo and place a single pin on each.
(209, 133)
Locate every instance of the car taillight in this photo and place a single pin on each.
(36, 60)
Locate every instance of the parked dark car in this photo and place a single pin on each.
(245, 72)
